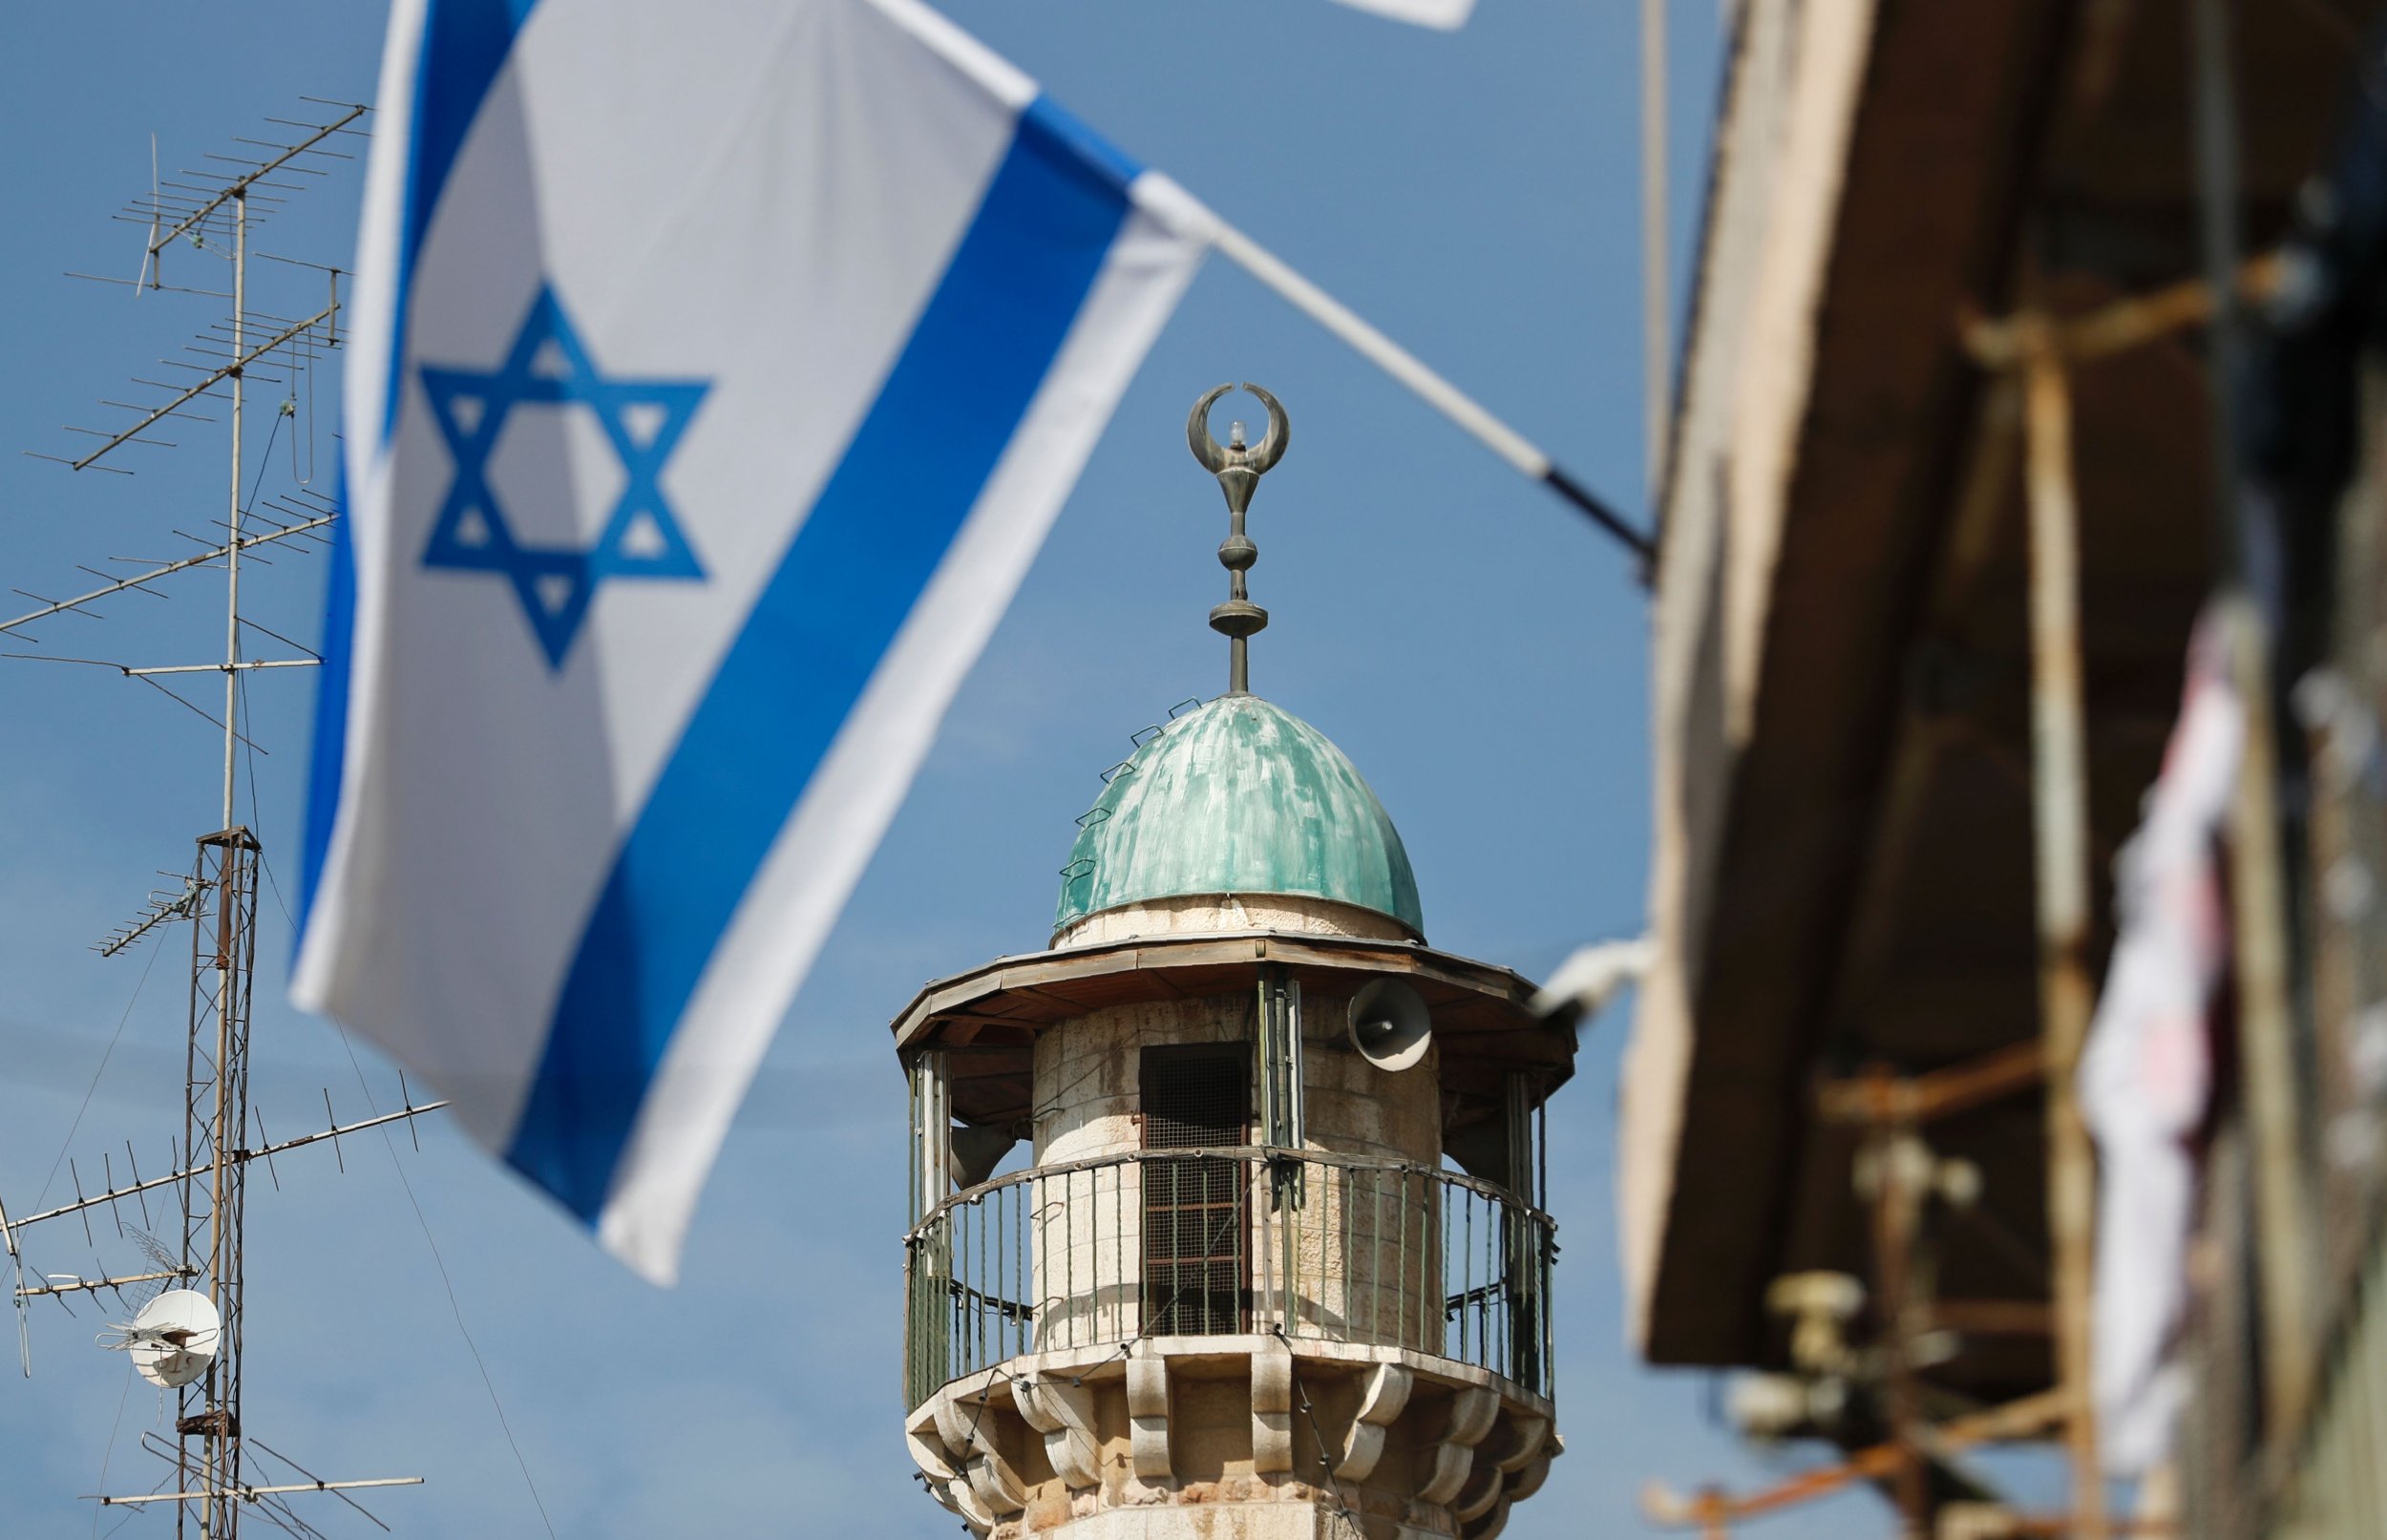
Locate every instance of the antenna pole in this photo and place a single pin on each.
(219, 989)
(232, 556)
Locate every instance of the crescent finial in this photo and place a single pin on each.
(1205, 448)
(1215, 457)
(1279, 433)
(1239, 467)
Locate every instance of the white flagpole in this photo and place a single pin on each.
(1436, 391)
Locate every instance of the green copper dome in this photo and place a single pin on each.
(1238, 798)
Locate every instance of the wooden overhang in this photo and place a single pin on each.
(1855, 854)
(988, 1019)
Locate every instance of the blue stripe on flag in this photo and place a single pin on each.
(1050, 119)
(465, 44)
(331, 717)
(848, 581)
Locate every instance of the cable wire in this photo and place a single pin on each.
(1325, 1458)
(109, 1453)
(68, 1142)
(445, 1282)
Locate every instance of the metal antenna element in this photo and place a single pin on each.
(1238, 470)
(165, 906)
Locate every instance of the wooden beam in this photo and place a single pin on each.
(1712, 1510)
(1882, 1098)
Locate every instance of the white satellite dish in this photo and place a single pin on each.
(173, 1340)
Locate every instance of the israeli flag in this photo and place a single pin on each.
(716, 372)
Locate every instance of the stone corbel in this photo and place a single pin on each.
(960, 1497)
(944, 1478)
(1272, 1409)
(1529, 1477)
(969, 1437)
(1521, 1442)
(928, 1452)
(1525, 1467)
(1497, 1470)
(1063, 1413)
(997, 1485)
(1386, 1393)
(1490, 1524)
(1529, 1480)
(1471, 1415)
(942, 1493)
(1147, 1415)
(1479, 1492)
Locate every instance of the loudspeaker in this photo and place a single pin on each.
(975, 1152)
(1390, 1025)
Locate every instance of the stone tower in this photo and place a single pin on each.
(1277, 1264)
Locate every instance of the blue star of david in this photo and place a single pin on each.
(642, 420)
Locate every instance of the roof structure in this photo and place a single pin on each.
(1240, 796)
(1844, 869)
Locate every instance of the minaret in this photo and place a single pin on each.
(1235, 1291)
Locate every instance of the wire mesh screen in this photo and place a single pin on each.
(1197, 1268)
(1196, 1099)
(1196, 1265)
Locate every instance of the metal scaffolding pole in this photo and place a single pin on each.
(2258, 889)
(2061, 830)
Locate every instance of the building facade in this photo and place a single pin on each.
(2028, 340)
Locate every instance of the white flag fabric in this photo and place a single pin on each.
(2146, 1073)
(1447, 15)
(716, 373)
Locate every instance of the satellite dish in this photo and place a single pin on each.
(173, 1340)
(1390, 1025)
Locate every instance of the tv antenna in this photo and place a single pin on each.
(188, 1333)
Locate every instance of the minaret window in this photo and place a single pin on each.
(1196, 1258)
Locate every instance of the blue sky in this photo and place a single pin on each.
(1476, 648)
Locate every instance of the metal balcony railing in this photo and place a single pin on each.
(1157, 1243)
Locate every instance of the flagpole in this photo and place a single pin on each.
(1436, 391)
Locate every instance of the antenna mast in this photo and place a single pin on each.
(210, 211)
